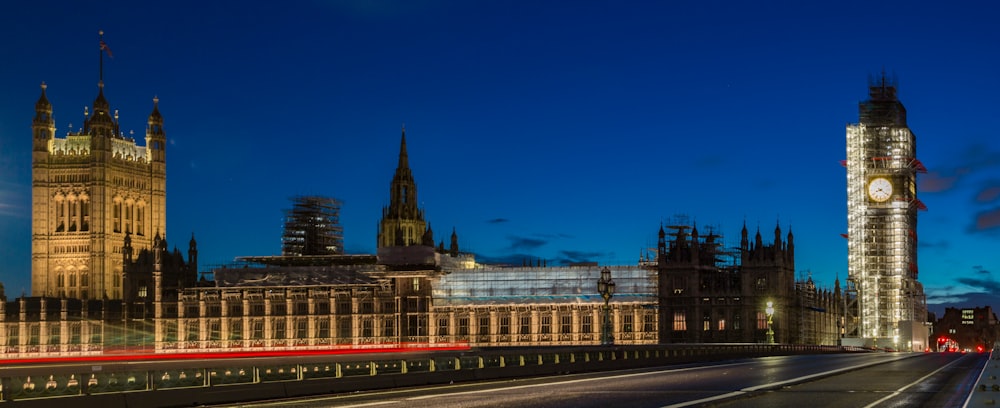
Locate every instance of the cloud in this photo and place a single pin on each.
(983, 293)
(933, 245)
(935, 182)
(989, 192)
(975, 158)
(986, 221)
(987, 285)
(498, 221)
(525, 243)
(980, 269)
(568, 256)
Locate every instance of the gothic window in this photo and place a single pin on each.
(737, 321)
(587, 324)
(323, 326)
(546, 327)
(367, 327)
(761, 321)
(301, 328)
(463, 326)
(72, 215)
(484, 326)
(236, 329)
(117, 211)
(389, 327)
(279, 328)
(85, 215)
(139, 220)
(72, 279)
(128, 219)
(192, 331)
(60, 280)
(403, 196)
(627, 323)
(443, 326)
(60, 217)
(504, 325)
(649, 323)
(84, 279)
(680, 321)
(525, 325)
(566, 324)
(256, 329)
(416, 284)
(706, 322)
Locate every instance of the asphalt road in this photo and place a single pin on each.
(814, 381)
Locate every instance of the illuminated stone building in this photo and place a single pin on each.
(882, 210)
(411, 294)
(974, 328)
(90, 189)
(712, 294)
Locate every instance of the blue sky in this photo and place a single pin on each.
(555, 130)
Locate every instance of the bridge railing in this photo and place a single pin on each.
(180, 382)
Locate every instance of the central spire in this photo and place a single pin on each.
(404, 160)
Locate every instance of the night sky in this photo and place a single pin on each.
(564, 131)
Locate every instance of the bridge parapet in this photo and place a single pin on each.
(227, 380)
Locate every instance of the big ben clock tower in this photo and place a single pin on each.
(882, 210)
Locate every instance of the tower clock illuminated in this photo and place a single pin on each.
(882, 210)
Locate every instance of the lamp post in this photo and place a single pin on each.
(606, 287)
(770, 314)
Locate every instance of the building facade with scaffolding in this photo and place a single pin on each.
(711, 293)
(882, 207)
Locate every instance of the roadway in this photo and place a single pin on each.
(835, 380)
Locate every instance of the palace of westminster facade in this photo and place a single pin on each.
(103, 278)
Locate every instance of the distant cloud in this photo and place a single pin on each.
(567, 256)
(498, 221)
(525, 243)
(933, 245)
(988, 285)
(987, 221)
(989, 192)
(983, 294)
(935, 182)
(980, 269)
(975, 158)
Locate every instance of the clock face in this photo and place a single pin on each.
(879, 189)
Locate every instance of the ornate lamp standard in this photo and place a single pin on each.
(770, 314)
(606, 287)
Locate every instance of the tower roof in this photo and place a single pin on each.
(101, 103)
(155, 115)
(43, 101)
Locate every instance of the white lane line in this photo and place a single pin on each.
(777, 384)
(300, 402)
(602, 378)
(900, 391)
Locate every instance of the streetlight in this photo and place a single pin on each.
(770, 314)
(606, 287)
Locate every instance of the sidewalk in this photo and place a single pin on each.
(986, 392)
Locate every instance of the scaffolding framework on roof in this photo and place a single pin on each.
(312, 227)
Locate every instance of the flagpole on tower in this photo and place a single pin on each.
(100, 55)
